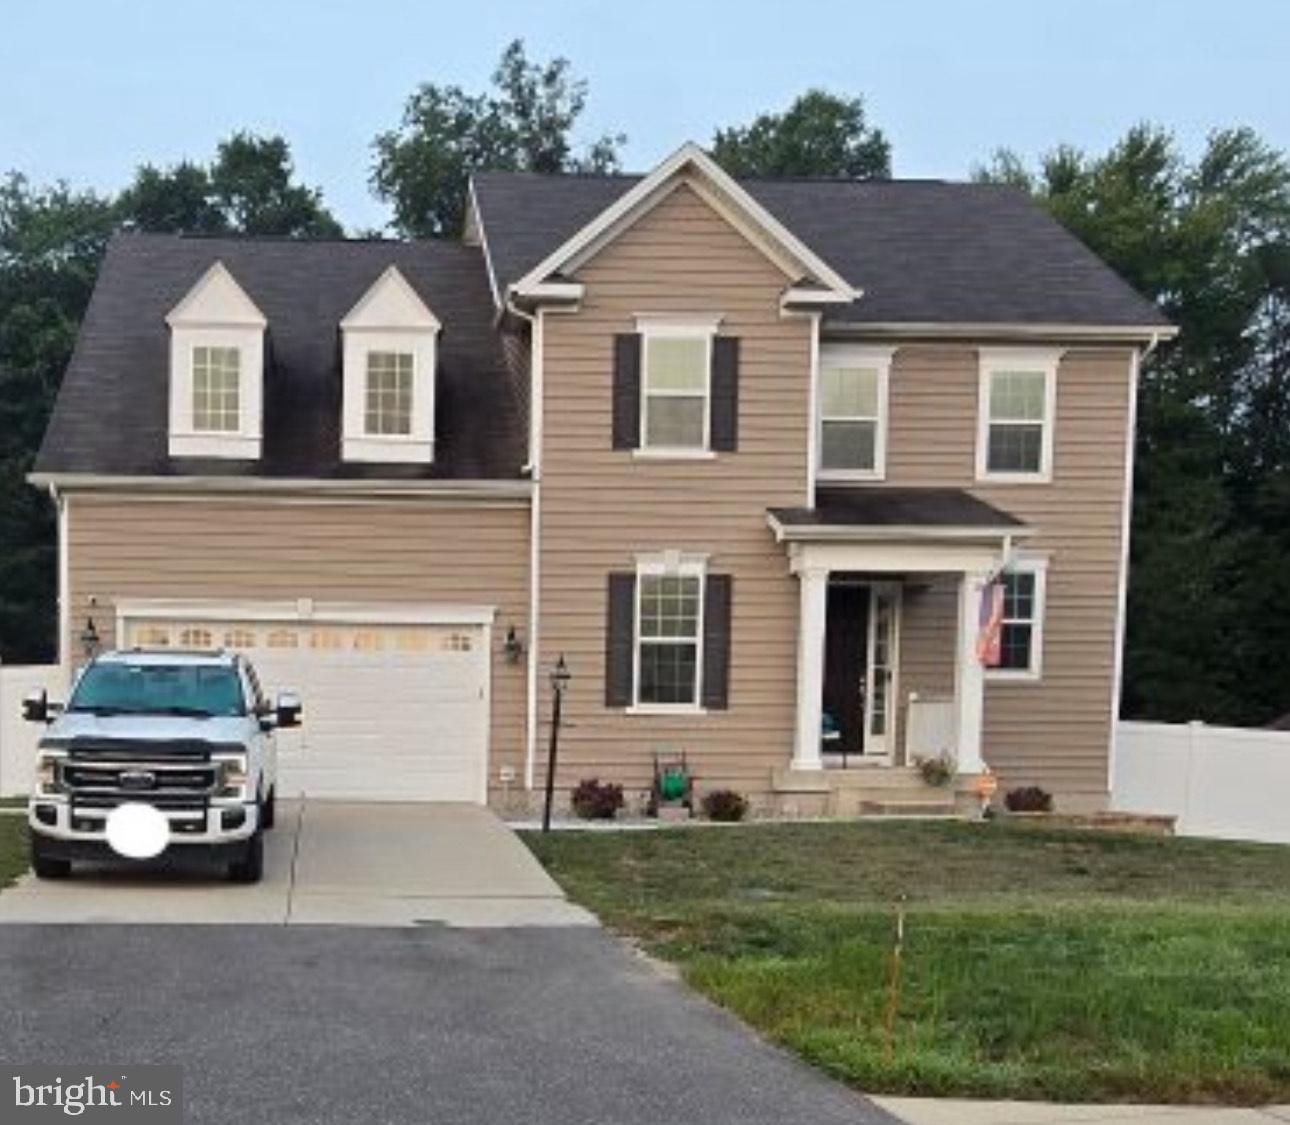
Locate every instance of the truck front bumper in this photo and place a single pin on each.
(57, 819)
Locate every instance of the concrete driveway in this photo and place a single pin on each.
(335, 863)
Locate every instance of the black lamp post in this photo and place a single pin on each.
(560, 677)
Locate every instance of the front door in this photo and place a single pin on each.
(845, 659)
(880, 678)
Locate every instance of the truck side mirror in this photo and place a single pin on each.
(288, 710)
(35, 706)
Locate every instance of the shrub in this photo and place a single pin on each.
(938, 771)
(724, 804)
(597, 800)
(1028, 798)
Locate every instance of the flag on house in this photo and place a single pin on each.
(989, 638)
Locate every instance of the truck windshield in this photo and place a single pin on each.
(196, 690)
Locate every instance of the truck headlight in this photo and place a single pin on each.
(233, 777)
(49, 773)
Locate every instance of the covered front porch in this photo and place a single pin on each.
(890, 586)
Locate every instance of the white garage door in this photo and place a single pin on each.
(391, 712)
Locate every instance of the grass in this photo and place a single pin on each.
(14, 857)
(1037, 964)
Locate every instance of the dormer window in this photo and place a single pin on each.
(216, 370)
(390, 352)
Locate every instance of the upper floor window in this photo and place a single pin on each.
(675, 387)
(216, 370)
(1016, 409)
(852, 436)
(216, 389)
(389, 393)
(388, 396)
(1021, 636)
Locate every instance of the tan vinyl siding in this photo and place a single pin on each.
(1055, 732)
(600, 507)
(405, 551)
(927, 623)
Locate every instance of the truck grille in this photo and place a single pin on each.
(179, 774)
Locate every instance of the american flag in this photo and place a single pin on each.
(989, 638)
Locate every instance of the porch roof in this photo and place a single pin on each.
(879, 512)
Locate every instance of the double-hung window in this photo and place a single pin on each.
(1016, 411)
(676, 380)
(217, 377)
(388, 394)
(669, 632)
(852, 434)
(1021, 641)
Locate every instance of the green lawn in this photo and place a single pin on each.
(1037, 964)
(14, 859)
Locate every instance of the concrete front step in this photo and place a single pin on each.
(911, 808)
(867, 778)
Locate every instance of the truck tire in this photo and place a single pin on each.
(249, 866)
(45, 865)
(269, 810)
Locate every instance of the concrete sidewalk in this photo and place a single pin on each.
(333, 863)
(955, 1111)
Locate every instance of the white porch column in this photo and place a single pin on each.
(814, 585)
(969, 675)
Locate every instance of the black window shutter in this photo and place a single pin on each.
(620, 623)
(725, 394)
(627, 390)
(716, 642)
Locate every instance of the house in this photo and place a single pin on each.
(751, 456)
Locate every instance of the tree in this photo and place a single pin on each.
(249, 188)
(526, 124)
(51, 243)
(820, 134)
(1209, 240)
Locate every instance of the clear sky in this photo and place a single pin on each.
(90, 89)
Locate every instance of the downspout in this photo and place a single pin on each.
(64, 584)
(1126, 525)
(534, 469)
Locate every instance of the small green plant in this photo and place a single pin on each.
(597, 800)
(1028, 798)
(724, 805)
(938, 771)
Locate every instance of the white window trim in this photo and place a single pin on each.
(186, 440)
(994, 360)
(700, 326)
(670, 564)
(1038, 566)
(854, 355)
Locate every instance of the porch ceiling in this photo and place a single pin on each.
(879, 512)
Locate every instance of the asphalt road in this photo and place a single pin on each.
(325, 1024)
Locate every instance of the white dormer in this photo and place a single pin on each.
(216, 370)
(390, 340)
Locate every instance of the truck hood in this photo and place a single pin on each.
(147, 728)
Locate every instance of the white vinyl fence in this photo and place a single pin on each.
(1223, 782)
(17, 736)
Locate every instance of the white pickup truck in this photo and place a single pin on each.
(188, 733)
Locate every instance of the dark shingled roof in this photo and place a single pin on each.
(922, 251)
(880, 506)
(111, 415)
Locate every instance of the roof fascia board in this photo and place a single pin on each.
(476, 215)
(964, 330)
(653, 187)
(886, 533)
(183, 485)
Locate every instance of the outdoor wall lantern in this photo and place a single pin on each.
(512, 647)
(89, 639)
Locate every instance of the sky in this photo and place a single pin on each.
(89, 90)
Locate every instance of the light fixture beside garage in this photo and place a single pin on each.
(512, 647)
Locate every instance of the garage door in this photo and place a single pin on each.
(391, 712)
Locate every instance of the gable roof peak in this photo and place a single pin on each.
(216, 299)
(391, 302)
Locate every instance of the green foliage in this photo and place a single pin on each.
(1037, 963)
(51, 243)
(1209, 240)
(525, 124)
(820, 134)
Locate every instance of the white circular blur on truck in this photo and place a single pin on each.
(137, 831)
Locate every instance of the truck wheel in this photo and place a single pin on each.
(249, 867)
(269, 809)
(45, 865)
